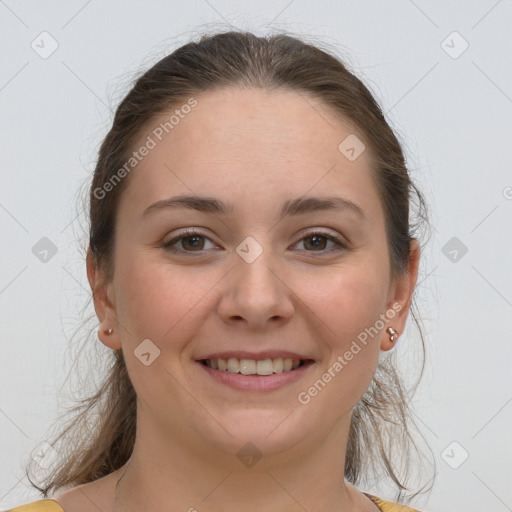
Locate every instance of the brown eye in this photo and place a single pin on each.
(192, 241)
(189, 241)
(317, 242)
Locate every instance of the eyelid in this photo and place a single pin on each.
(341, 242)
(186, 232)
(323, 231)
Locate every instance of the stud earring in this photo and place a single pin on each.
(108, 331)
(393, 335)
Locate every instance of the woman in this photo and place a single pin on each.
(251, 259)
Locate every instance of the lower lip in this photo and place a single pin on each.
(257, 382)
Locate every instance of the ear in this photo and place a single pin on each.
(103, 305)
(401, 293)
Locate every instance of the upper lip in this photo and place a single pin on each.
(258, 356)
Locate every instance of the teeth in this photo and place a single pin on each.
(265, 367)
(277, 365)
(253, 367)
(247, 367)
(233, 365)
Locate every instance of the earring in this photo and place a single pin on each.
(108, 331)
(393, 335)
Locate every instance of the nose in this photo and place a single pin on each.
(256, 295)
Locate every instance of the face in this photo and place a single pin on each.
(251, 279)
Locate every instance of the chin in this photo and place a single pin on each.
(262, 431)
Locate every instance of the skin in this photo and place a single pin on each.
(256, 149)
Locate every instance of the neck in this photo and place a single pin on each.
(168, 471)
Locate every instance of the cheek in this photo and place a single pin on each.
(352, 305)
(164, 303)
(349, 313)
(157, 299)
(353, 298)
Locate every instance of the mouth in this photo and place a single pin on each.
(261, 367)
(255, 375)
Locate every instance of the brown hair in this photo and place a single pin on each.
(100, 437)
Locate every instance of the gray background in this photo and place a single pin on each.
(451, 109)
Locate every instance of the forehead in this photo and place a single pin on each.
(235, 121)
(249, 141)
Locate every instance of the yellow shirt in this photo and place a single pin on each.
(47, 505)
(50, 505)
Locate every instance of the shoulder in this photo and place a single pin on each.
(389, 506)
(46, 505)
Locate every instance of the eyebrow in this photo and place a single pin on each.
(289, 207)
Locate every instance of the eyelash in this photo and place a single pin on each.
(189, 233)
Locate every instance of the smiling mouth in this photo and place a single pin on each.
(264, 367)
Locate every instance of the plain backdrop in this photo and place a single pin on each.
(441, 72)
